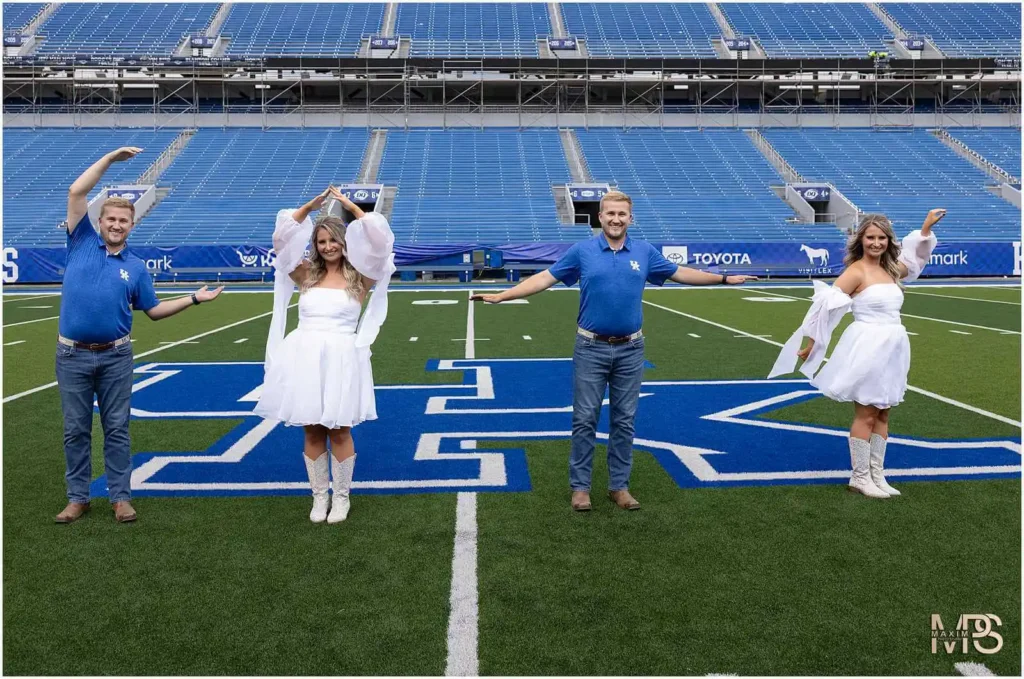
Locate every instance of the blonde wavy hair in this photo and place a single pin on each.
(889, 259)
(318, 267)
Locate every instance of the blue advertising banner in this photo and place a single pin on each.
(380, 42)
(562, 43)
(13, 41)
(814, 193)
(359, 193)
(202, 41)
(587, 193)
(737, 43)
(912, 43)
(804, 259)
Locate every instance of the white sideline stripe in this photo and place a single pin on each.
(36, 320)
(693, 335)
(179, 343)
(959, 332)
(48, 306)
(11, 344)
(973, 669)
(527, 337)
(912, 334)
(969, 299)
(921, 318)
(413, 339)
(919, 390)
(463, 621)
(239, 341)
(14, 397)
(20, 297)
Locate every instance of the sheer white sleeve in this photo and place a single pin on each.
(290, 241)
(828, 306)
(370, 244)
(915, 253)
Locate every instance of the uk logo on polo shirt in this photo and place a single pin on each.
(635, 264)
(124, 274)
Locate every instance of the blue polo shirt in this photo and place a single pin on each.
(612, 282)
(100, 289)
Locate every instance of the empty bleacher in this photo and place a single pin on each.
(227, 186)
(122, 29)
(711, 185)
(963, 29)
(320, 29)
(643, 29)
(476, 186)
(18, 14)
(478, 29)
(904, 174)
(809, 30)
(999, 145)
(40, 165)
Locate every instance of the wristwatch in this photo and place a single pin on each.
(195, 300)
(725, 279)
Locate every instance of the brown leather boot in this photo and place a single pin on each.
(623, 499)
(73, 512)
(581, 501)
(123, 512)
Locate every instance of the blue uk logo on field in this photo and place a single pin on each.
(467, 435)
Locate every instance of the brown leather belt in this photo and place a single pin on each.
(608, 338)
(103, 346)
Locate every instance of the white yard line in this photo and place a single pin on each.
(938, 397)
(463, 621)
(187, 340)
(37, 320)
(969, 299)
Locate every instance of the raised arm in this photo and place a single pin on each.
(313, 205)
(78, 193)
(922, 246)
(531, 286)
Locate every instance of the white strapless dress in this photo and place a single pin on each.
(872, 358)
(319, 375)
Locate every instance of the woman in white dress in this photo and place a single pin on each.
(870, 363)
(319, 377)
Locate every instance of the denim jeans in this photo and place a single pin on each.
(597, 365)
(106, 375)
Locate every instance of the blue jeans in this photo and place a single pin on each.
(597, 365)
(106, 375)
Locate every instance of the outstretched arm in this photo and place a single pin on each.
(78, 193)
(688, 276)
(930, 220)
(170, 307)
(531, 286)
(848, 281)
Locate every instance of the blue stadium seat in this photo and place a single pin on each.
(904, 174)
(320, 29)
(476, 186)
(18, 14)
(809, 30)
(40, 165)
(685, 183)
(479, 29)
(963, 29)
(229, 184)
(643, 29)
(1000, 145)
(122, 29)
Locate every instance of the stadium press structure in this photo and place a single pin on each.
(750, 135)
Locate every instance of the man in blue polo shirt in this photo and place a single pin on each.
(103, 281)
(612, 270)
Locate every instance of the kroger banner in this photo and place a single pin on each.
(202, 41)
(562, 43)
(803, 259)
(912, 43)
(587, 193)
(737, 44)
(13, 40)
(380, 42)
(361, 194)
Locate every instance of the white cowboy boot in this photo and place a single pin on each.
(342, 472)
(319, 483)
(878, 465)
(860, 458)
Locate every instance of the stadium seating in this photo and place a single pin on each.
(643, 29)
(40, 165)
(902, 173)
(809, 30)
(473, 29)
(121, 29)
(229, 185)
(999, 145)
(685, 183)
(963, 29)
(18, 14)
(476, 186)
(321, 29)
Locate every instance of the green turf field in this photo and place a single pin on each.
(757, 580)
